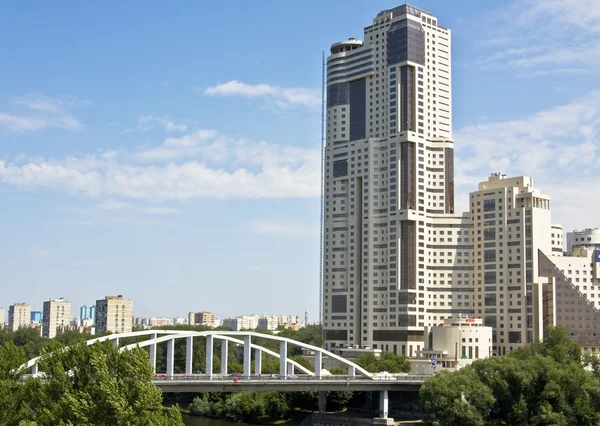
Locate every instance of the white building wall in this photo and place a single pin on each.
(56, 314)
(586, 238)
(19, 316)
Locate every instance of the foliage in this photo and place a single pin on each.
(387, 361)
(338, 371)
(82, 385)
(542, 384)
(245, 407)
(277, 405)
(200, 406)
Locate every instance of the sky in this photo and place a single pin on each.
(169, 151)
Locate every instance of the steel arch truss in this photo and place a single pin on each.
(287, 366)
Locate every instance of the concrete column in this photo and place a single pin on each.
(247, 355)
(189, 354)
(383, 404)
(115, 342)
(351, 371)
(290, 368)
(153, 353)
(322, 401)
(318, 364)
(170, 358)
(224, 357)
(257, 361)
(34, 369)
(282, 358)
(209, 356)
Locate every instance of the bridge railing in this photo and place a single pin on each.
(274, 377)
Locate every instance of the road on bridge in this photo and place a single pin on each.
(266, 383)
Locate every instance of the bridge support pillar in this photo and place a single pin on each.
(209, 356)
(153, 353)
(224, 353)
(383, 404)
(189, 354)
(247, 355)
(170, 358)
(34, 369)
(290, 369)
(115, 342)
(322, 402)
(318, 364)
(257, 361)
(351, 371)
(282, 359)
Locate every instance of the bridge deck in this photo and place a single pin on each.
(183, 384)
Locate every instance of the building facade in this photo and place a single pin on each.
(36, 317)
(19, 316)
(587, 238)
(201, 318)
(2, 317)
(114, 314)
(389, 184)
(56, 314)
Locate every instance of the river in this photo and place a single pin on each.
(204, 421)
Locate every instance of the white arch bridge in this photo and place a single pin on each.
(292, 376)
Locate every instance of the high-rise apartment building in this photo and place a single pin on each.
(201, 318)
(114, 314)
(93, 314)
(84, 312)
(19, 315)
(2, 315)
(587, 238)
(36, 317)
(56, 314)
(389, 184)
(511, 226)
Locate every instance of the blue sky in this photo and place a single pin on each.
(169, 152)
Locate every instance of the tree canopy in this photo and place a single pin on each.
(541, 384)
(387, 361)
(82, 385)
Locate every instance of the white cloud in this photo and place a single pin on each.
(114, 205)
(203, 164)
(278, 227)
(543, 37)
(85, 262)
(557, 147)
(148, 122)
(282, 97)
(35, 112)
(161, 210)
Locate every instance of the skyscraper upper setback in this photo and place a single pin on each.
(389, 181)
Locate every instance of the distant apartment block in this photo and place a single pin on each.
(264, 322)
(201, 318)
(36, 317)
(87, 315)
(587, 238)
(19, 315)
(114, 314)
(57, 313)
(2, 316)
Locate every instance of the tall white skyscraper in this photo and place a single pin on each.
(389, 185)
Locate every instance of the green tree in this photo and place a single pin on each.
(94, 385)
(245, 407)
(200, 406)
(456, 399)
(277, 405)
(387, 361)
